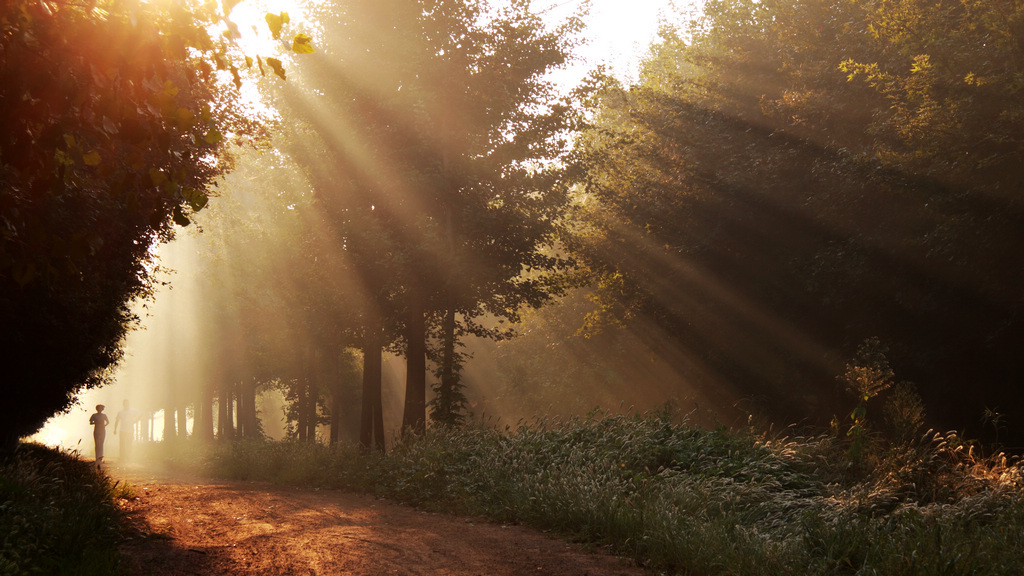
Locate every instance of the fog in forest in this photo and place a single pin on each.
(190, 333)
(719, 240)
(548, 371)
(238, 314)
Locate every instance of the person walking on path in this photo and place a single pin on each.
(99, 423)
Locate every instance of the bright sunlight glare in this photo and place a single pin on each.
(250, 17)
(617, 35)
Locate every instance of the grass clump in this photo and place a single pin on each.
(689, 501)
(57, 515)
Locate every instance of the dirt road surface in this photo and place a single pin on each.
(201, 528)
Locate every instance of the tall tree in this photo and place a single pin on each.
(431, 137)
(355, 150)
(494, 131)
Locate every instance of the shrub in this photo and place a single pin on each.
(57, 515)
(681, 499)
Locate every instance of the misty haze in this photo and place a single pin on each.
(710, 286)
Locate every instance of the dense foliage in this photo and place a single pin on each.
(789, 179)
(116, 118)
(112, 130)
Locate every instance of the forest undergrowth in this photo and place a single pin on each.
(57, 515)
(681, 500)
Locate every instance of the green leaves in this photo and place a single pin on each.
(91, 158)
(179, 217)
(184, 118)
(158, 177)
(88, 187)
(214, 136)
(301, 44)
(197, 199)
(868, 373)
(23, 274)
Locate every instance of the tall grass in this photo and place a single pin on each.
(687, 501)
(57, 515)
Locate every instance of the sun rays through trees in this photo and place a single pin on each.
(780, 182)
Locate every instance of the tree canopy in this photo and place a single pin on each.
(788, 179)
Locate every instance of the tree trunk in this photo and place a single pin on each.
(310, 413)
(247, 409)
(222, 414)
(170, 433)
(226, 420)
(182, 422)
(448, 350)
(446, 404)
(371, 432)
(240, 427)
(203, 423)
(415, 417)
(313, 394)
(302, 399)
(335, 418)
(333, 371)
(200, 414)
(300, 405)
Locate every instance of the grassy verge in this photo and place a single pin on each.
(687, 501)
(57, 515)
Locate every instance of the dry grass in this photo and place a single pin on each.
(689, 501)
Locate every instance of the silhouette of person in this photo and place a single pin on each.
(99, 423)
(126, 419)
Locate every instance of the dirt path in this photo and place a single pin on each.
(186, 528)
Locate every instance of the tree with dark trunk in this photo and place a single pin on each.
(414, 416)
(203, 421)
(498, 140)
(371, 432)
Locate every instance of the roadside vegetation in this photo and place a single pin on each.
(675, 498)
(57, 515)
(686, 501)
